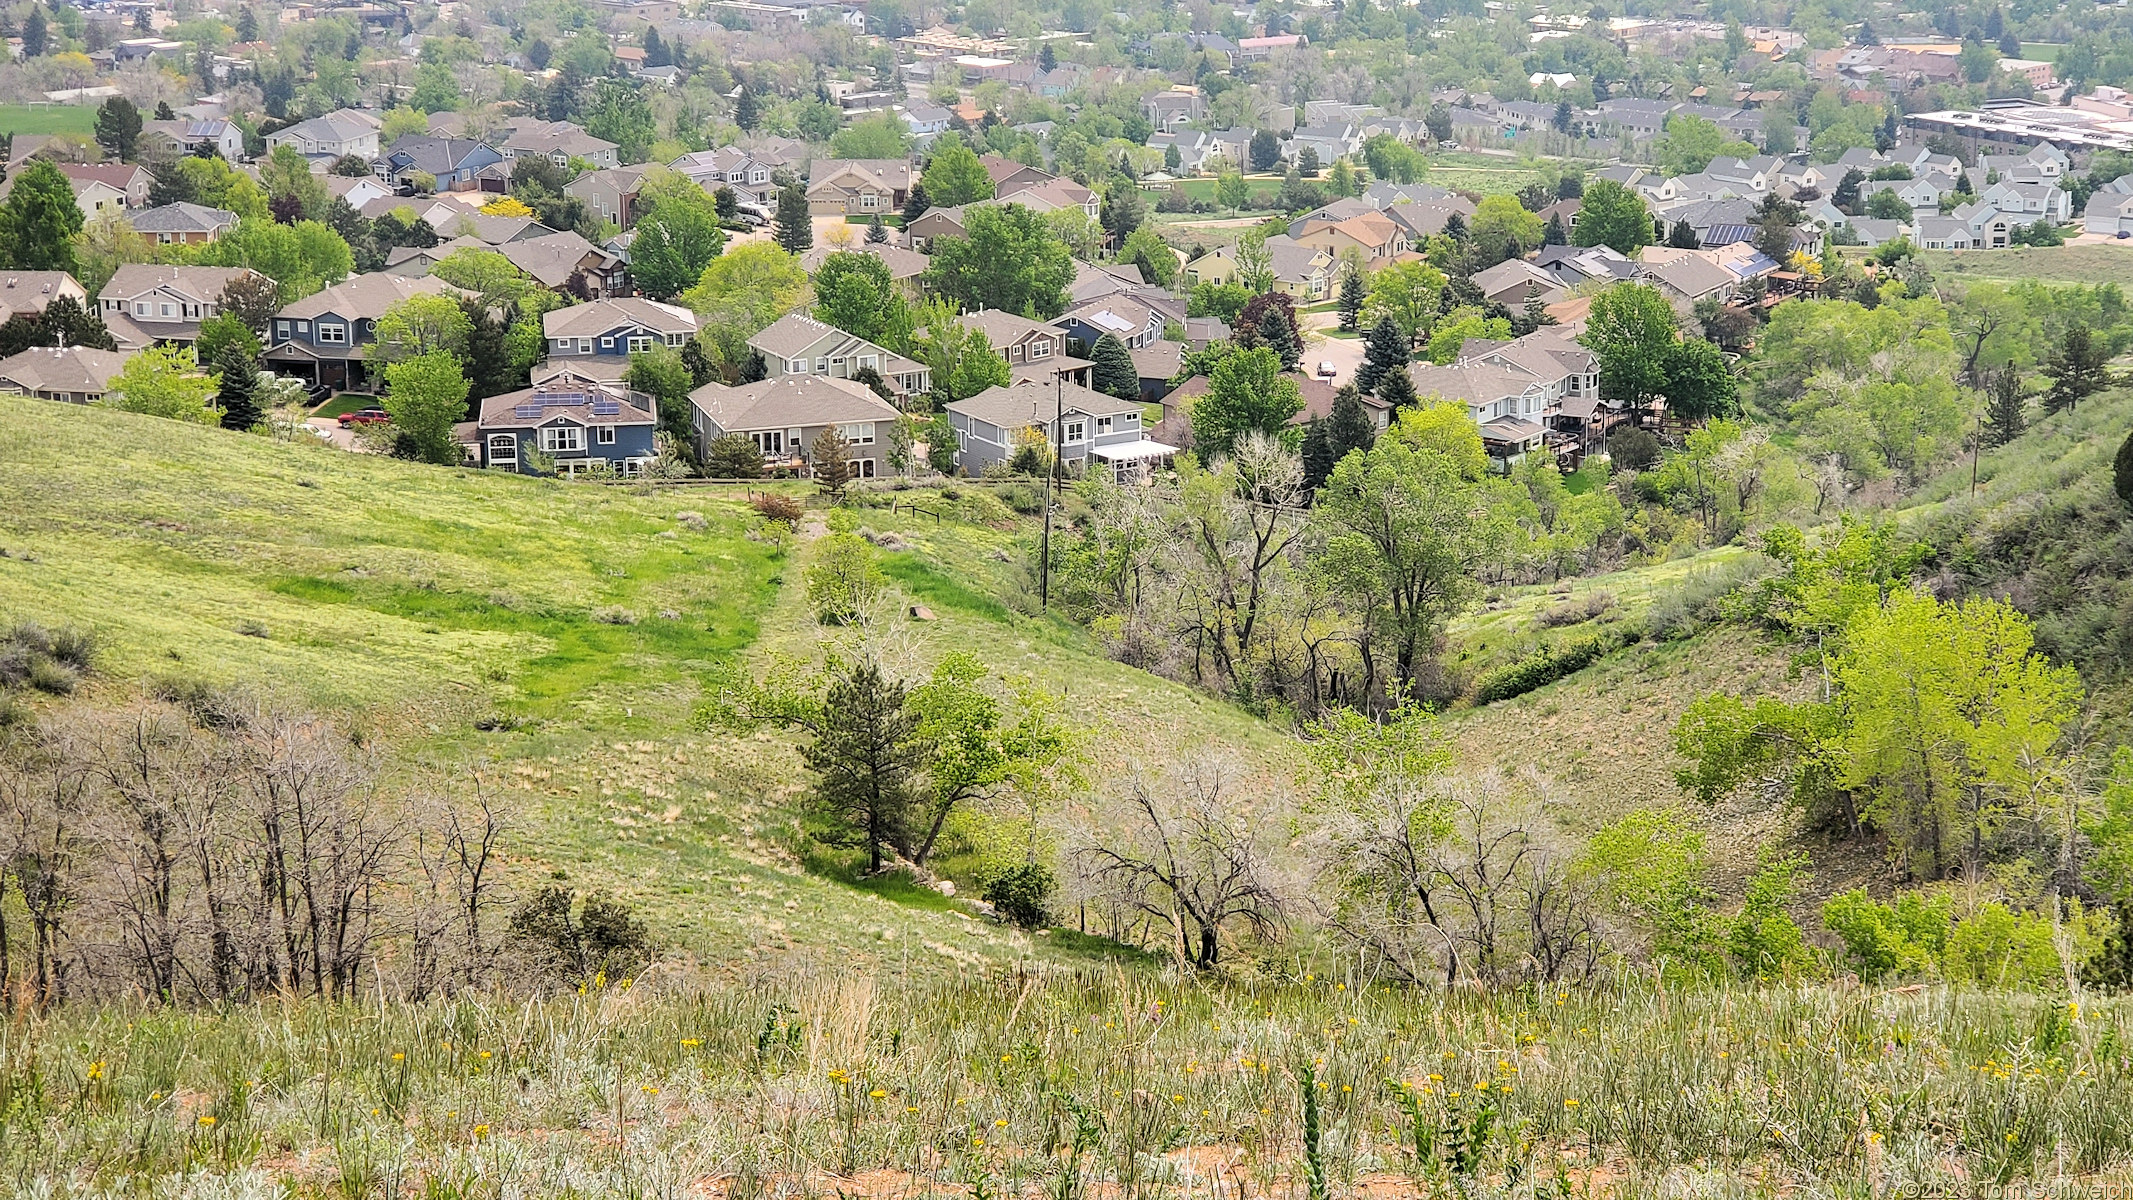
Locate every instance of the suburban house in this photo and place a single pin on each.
(2109, 213)
(1048, 194)
(752, 176)
(575, 421)
(906, 267)
(1305, 272)
(1194, 147)
(1009, 176)
(1512, 389)
(357, 190)
(1033, 349)
(1945, 233)
(451, 162)
(183, 223)
(990, 425)
(453, 222)
(783, 416)
(1923, 195)
(76, 374)
(28, 293)
(935, 223)
(336, 134)
(1331, 141)
(100, 186)
(2031, 201)
(615, 328)
(1130, 321)
(1378, 237)
(558, 142)
(925, 120)
(858, 186)
(566, 262)
(327, 336)
(1687, 276)
(1172, 109)
(217, 134)
(796, 344)
(145, 303)
(1511, 281)
(611, 193)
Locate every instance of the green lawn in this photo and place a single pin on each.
(346, 402)
(48, 118)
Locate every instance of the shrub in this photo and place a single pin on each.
(1539, 670)
(1997, 947)
(1575, 611)
(1701, 599)
(601, 938)
(1902, 938)
(614, 614)
(45, 660)
(844, 581)
(1020, 893)
(1024, 498)
(1632, 449)
(732, 456)
(2122, 470)
(780, 508)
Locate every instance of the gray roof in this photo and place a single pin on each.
(73, 369)
(31, 291)
(794, 333)
(552, 258)
(364, 296)
(1032, 402)
(599, 316)
(584, 400)
(203, 283)
(183, 217)
(790, 402)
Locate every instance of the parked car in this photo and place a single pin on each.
(1327, 370)
(363, 416)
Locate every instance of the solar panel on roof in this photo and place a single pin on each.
(526, 412)
(606, 408)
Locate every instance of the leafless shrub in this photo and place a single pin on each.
(1184, 852)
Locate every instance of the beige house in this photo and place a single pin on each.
(29, 293)
(858, 187)
(1033, 350)
(1379, 238)
(782, 417)
(796, 344)
(145, 303)
(611, 193)
(76, 374)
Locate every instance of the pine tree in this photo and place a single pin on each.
(1047, 58)
(1114, 373)
(247, 25)
(746, 113)
(1275, 333)
(118, 127)
(877, 233)
(916, 204)
(1397, 389)
(237, 395)
(1352, 292)
(831, 464)
(2005, 407)
(36, 35)
(1348, 426)
(1384, 353)
(2078, 367)
(1318, 457)
(795, 224)
(2122, 470)
(1683, 237)
(1553, 234)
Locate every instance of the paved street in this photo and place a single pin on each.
(1346, 354)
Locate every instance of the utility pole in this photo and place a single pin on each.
(1977, 440)
(1044, 568)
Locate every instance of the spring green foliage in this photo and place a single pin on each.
(304, 258)
(741, 293)
(678, 234)
(425, 396)
(1247, 393)
(39, 220)
(953, 174)
(421, 325)
(1009, 260)
(1405, 295)
(1612, 215)
(163, 381)
(855, 292)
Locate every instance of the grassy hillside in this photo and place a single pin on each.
(2087, 262)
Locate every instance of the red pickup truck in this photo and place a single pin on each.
(363, 416)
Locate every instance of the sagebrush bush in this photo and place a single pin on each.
(49, 661)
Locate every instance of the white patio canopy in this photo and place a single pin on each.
(1137, 451)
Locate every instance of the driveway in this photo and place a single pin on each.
(1346, 354)
(335, 434)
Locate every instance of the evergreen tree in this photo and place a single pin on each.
(829, 459)
(1397, 389)
(2078, 368)
(236, 396)
(656, 53)
(1683, 237)
(1348, 426)
(247, 26)
(877, 233)
(1385, 352)
(1352, 294)
(36, 35)
(1455, 227)
(1318, 457)
(795, 227)
(41, 218)
(118, 128)
(1047, 58)
(916, 204)
(746, 113)
(1553, 234)
(2005, 408)
(1114, 373)
(1278, 335)
(2122, 471)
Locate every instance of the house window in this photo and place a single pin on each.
(281, 329)
(822, 366)
(866, 468)
(607, 343)
(561, 439)
(861, 434)
(142, 308)
(605, 436)
(168, 309)
(585, 345)
(303, 327)
(769, 441)
(1103, 426)
(1077, 432)
(332, 335)
(869, 200)
(676, 339)
(798, 366)
(503, 449)
(639, 345)
(867, 363)
(1041, 348)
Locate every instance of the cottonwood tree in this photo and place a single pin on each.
(1185, 852)
(1234, 523)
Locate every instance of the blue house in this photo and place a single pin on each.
(326, 336)
(569, 419)
(452, 162)
(615, 328)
